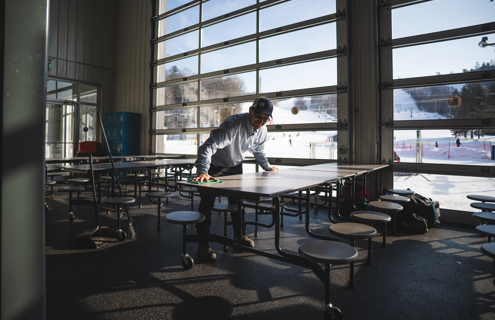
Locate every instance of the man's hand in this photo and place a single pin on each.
(203, 177)
(273, 169)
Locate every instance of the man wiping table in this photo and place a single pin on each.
(222, 154)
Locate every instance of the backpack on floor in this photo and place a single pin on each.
(423, 207)
(413, 223)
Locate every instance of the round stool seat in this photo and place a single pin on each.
(78, 180)
(328, 252)
(70, 189)
(481, 198)
(485, 215)
(184, 217)
(352, 230)
(489, 249)
(119, 200)
(486, 230)
(225, 207)
(483, 206)
(402, 192)
(394, 198)
(159, 194)
(370, 216)
(385, 205)
(50, 182)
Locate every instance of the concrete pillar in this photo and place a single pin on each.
(23, 60)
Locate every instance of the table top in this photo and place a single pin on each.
(129, 166)
(107, 158)
(268, 184)
(367, 167)
(357, 169)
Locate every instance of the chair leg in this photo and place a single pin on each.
(158, 222)
(256, 220)
(351, 275)
(327, 284)
(369, 251)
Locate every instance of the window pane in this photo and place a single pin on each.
(312, 109)
(299, 76)
(230, 29)
(236, 56)
(458, 101)
(88, 94)
(213, 116)
(229, 86)
(449, 190)
(179, 93)
(178, 45)
(440, 15)
(177, 69)
(176, 118)
(309, 40)
(294, 11)
(212, 9)
(167, 5)
(88, 120)
(177, 143)
(59, 134)
(446, 57)
(303, 145)
(456, 146)
(179, 21)
(61, 90)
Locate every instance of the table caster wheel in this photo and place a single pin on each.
(121, 235)
(187, 262)
(333, 313)
(71, 216)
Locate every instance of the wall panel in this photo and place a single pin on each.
(82, 45)
(132, 68)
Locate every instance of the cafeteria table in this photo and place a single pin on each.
(258, 186)
(351, 171)
(86, 238)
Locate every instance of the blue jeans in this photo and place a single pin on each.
(208, 201)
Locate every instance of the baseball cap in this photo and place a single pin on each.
(263, 105)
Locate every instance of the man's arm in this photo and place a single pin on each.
(219, 138)
(259, 154)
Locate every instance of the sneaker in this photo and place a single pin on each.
(245, 241)
(206, 253)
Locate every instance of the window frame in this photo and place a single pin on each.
(388, 84)
(340, 53)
